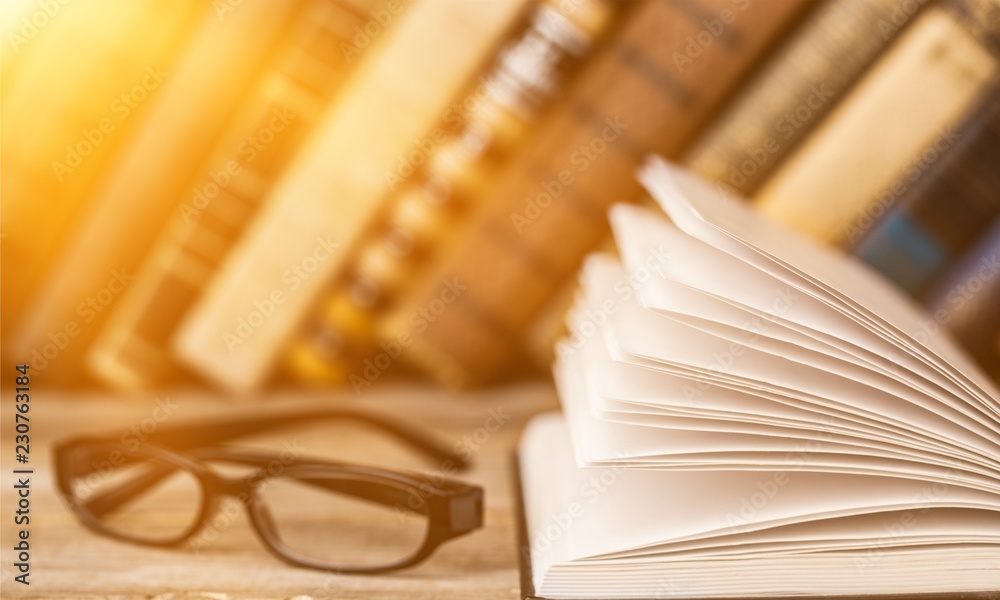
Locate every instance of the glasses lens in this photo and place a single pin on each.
(343, 523)
(145, 498)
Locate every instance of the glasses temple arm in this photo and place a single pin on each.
(190, 437)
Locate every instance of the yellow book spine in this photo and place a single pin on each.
(309, 62)
(911, 98)
(797, 87)
(237, 331)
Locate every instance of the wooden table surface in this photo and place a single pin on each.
(69, 561)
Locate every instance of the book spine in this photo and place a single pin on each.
(837, 174)
(497, 112)
(310, 62)
(541, 338)
(795, 89)
(235, 333)
(939, 206)
(792, 92)
(649, 89)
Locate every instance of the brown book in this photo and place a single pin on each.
(236, 332)
(493, 119)
(309, 61)
(650, 89)
(791, 92)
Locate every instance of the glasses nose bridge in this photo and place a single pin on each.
(237, 487)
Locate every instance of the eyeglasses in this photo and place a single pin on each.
(310, 513)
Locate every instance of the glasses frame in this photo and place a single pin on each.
(452, 508)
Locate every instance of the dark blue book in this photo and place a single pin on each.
(967, 300)
(940, 204)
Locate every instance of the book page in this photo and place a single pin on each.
(599, 442)
(645, 334)
(613, 510)
(774, 305)
(705, 214)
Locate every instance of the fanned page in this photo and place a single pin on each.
(847, 287)
(748, 415)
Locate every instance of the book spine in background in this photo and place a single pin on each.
(417, 221)
(235, 333)
(938, 207)
(967, 300)
(541, 338)
(55, 144)
(783, 101)
(886, 121)
(797, 86)
(649, 89)
(314, 56)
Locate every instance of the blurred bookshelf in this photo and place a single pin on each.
(336, 193)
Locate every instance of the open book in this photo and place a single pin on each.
(747, 414)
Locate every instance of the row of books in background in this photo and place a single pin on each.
(335, 191)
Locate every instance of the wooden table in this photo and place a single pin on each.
(68, 560)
